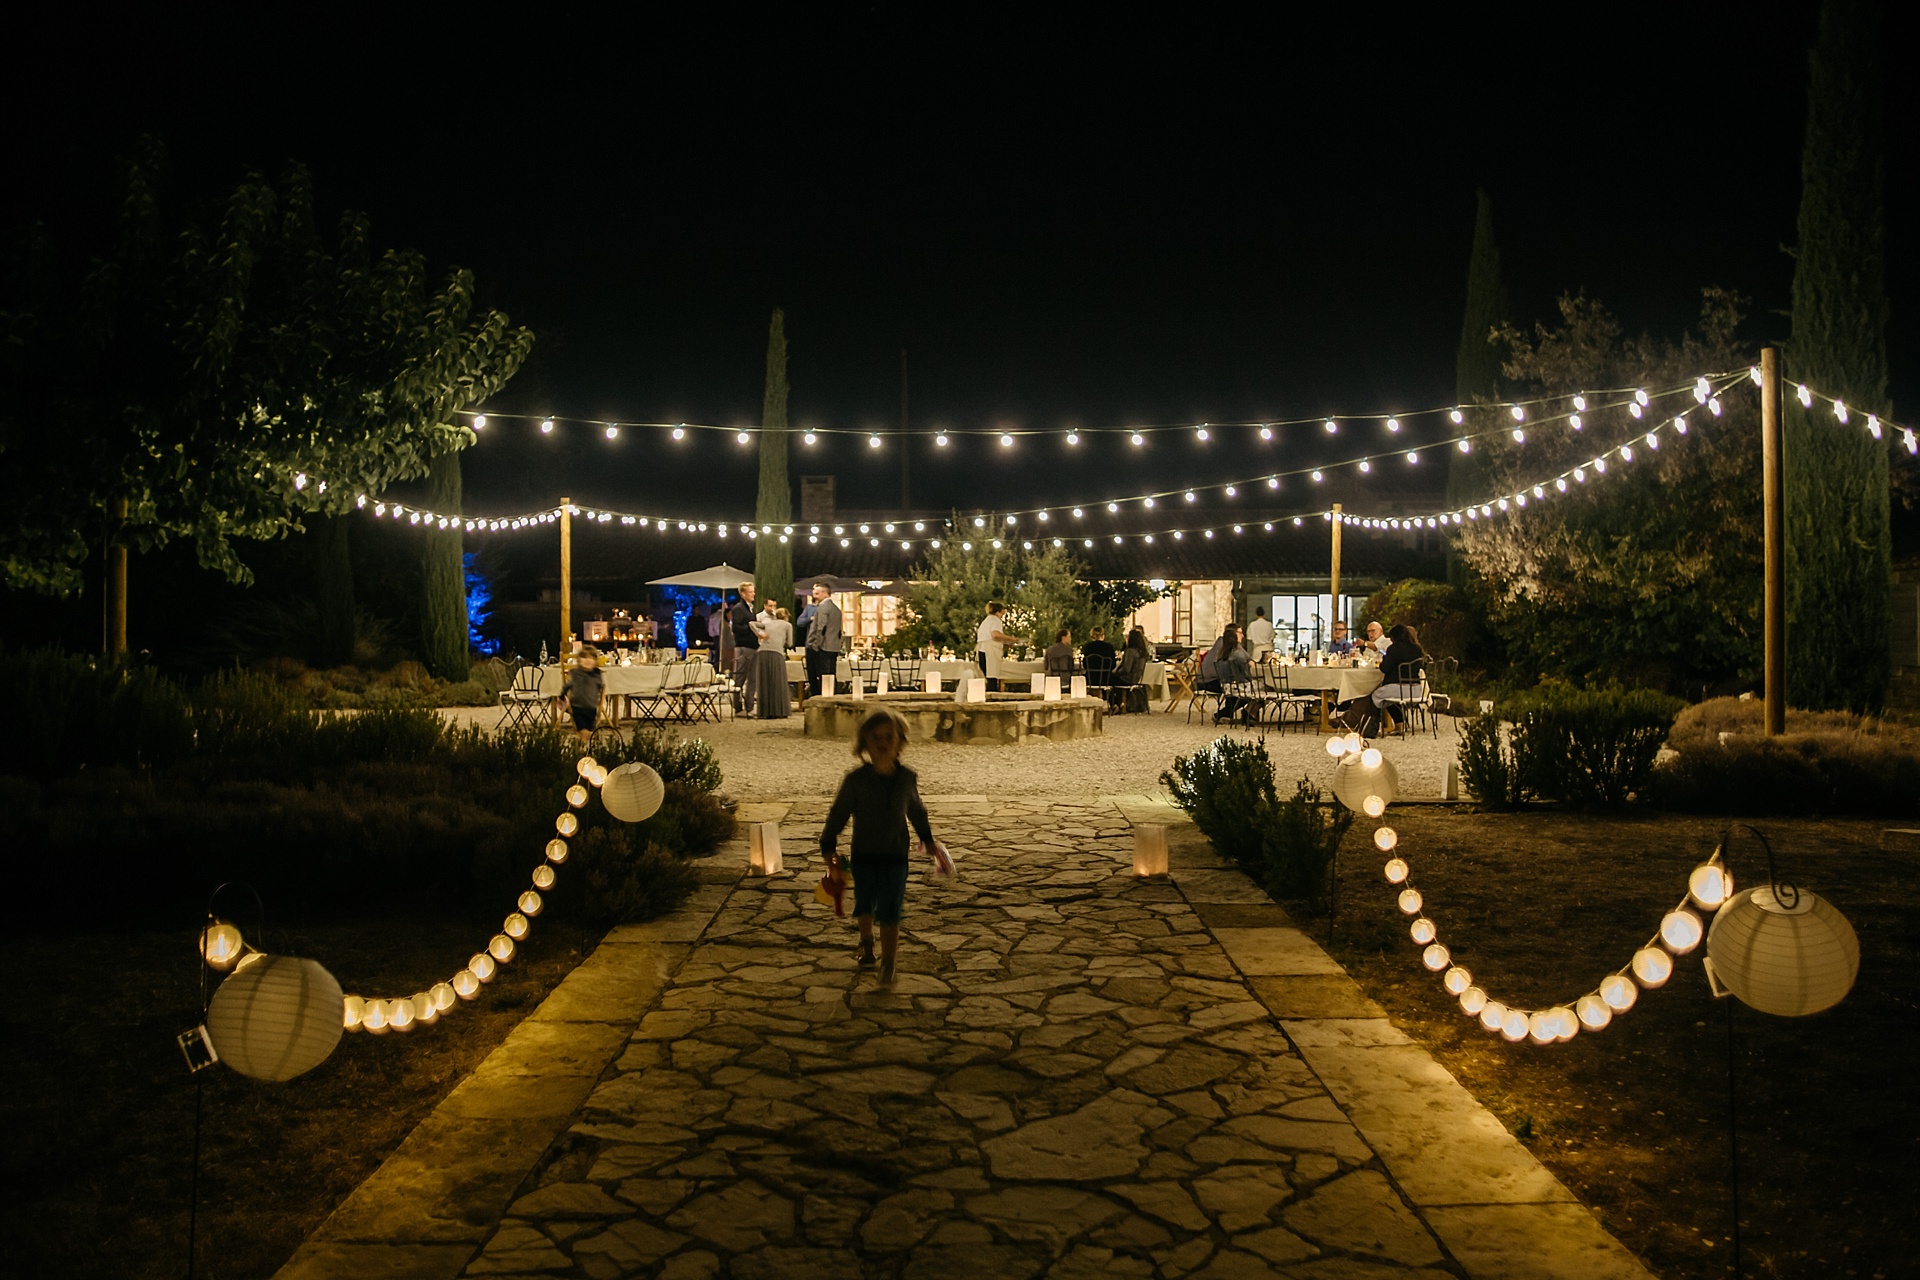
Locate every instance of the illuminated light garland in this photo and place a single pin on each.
(1681, 931)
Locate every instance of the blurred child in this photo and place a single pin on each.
(584, 686)
(882, 797)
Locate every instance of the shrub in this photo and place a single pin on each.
(64, 713)
(468, 693)
(1810, 773)
(624, 877)
(1299, 839)
(1226, 787)
(705, 823)
(1593, 747)
(1491, 770)
(675, 759)
(1435, 609)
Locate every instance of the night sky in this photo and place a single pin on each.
(1081, 219)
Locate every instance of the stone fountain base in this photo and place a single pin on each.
(1005, 719)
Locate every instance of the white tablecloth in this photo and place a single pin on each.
(624, 681)
(1345, 683)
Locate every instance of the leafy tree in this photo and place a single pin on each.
(1651, 573)
(228, 376)
(1839, 566)
(773, 559)
(1117, 599)
(443, 578)
(949, 592)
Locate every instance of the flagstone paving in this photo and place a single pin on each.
(1077, 1073)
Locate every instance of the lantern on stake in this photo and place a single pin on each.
(1364, 775)
(277, 1018)
(632, 792)
(221, 945)
(1783, 951)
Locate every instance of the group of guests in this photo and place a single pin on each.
(1228, 663)
(761, 639)
(1097, 659)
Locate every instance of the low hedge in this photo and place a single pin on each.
(1287, 845)
(1595, 748)
(1827, 763)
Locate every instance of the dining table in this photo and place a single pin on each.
(1335, 685)
(625, 683)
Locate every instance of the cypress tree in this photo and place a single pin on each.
(773, 559)
(1477, 363)
(443, 579)
(1838, 519)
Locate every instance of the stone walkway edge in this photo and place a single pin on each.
(427, 1211)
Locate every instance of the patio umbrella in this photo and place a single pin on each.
(721, 577)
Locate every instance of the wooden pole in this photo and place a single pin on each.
(566, 578)
(1774, 538)
(114, 640)
(1336, 562)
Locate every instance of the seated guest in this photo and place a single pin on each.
(1341, 642)
(1403, 656)
(1129, 691)
(1059, 657)
(1099, 656)
(1376, 639)
(1225, 664)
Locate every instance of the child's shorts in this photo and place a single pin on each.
(879, 888)
(584, 718)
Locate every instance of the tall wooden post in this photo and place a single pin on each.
(1774, 539)
(1336, 562)
(566, 577)
(114, 639)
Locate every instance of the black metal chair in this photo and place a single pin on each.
(521, 703)
(1413, 706)
(903, 671)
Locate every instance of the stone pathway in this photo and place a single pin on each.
(1078, 1073)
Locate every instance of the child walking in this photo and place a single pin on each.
(584, 685)
(882, 797)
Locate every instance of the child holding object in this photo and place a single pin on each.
(584, 685)
(881, 797)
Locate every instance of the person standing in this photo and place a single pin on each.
(746, 650)
(823, 638)
(770, 669)
(990, 644)
(1260, 635)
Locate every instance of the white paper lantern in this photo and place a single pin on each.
(424, 1010)
(465, 984)
(599, 775)
(763, 849)
(1619, 992)
(1336, 746)
(1565, 1025)
(576, 795)
(1789, 960)
(1457, 980)
(1709, 886)
(977, 689)
(1370, 758)
(585, 765)
(373, 1018)
(530, 903)
(1681, 931)
(400, 1014)
(221, 945)
(1652, 966)
(543, 877)
(352, 1008)
(1355, 780)
(1354, 744)
(442, 995)
(566, 824)
(482, 966)
(501, 948)
(933, 682)
(277, 1018)
(633, 792)
(1435, 957)
(1079, 686)
(1150, 849)
(556, 850)
(515, 926)
(1385, 839)
(1423, 931)
(1397, 871)
(1472, 1001)
(1373, 806)
(1493, 1015)
(1593, 1012)
(1515, 1026)
(1541, 1028)
(1410, 901)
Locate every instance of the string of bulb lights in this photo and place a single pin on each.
(1706, 392)
(1681, 930)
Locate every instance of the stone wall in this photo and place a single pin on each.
(1003, 720)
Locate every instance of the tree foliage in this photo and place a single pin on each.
(773, 559)
(228, 374)
(948, 594)
(1650, 574)
(1839, 544)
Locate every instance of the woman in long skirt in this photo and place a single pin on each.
(773, 699)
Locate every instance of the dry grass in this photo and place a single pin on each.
(1634, 1120)
(99, 1105)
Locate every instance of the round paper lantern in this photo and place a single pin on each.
(1423, 931)
(1336, 746)
(1472, 1001)
(1565, 1025)
(566, 824)
(1681, 930)
(1385, 838)
(1515, 1025)
(556, 850)
(1790, 960)
(530, 903)
(1435, 957)
(221, 945)
(1709, 886)
(1652, 966)
(351, 1010)
(374, 1017)
(514, 926)
(465, 984)
(1410, 901)
(1619, 992)
(442, 996)
(633, 792)
(482, 966)
(576, 795)
(277, 1018)
(1493, 1015)
(1373, 806)
(1355, 780)
(400, 1014)
(1397, 870)
(543, 876)
(424, 1010)
(585, 766)
(501, 947)
(1370, 758)
(1457, 980)
(1593, 1012)
(1541, 1028)
(1354, 744)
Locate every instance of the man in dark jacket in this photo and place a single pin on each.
(746, 650)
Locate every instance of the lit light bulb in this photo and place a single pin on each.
(1231, 491)
(1266, 433)
(1385, 839)
(1806, 396)
(1472, 1001)
(1148, 504)
(1411, 901)
(1273, 482)
(1413, 456)
(1580, 403)
(576, 795)
(679, 433)
(1466, 446)
(1317, 477)
(1332, 426)
(1393, 424)
(1397, 870)
(1640, 397)
(1652, 966)
(873, 442)
(1201, 434)
(941, 440)
(1435, 957)
(1138, 439)
(1456, 980)
(809, 438)
(1073, 437)
(1573, 421)
(546, 428)
(1636, 411)
(1519, 414)
(1423, 931)
(1366, 465)
(1006, 441)
(1457, 417)
(1713, 406)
